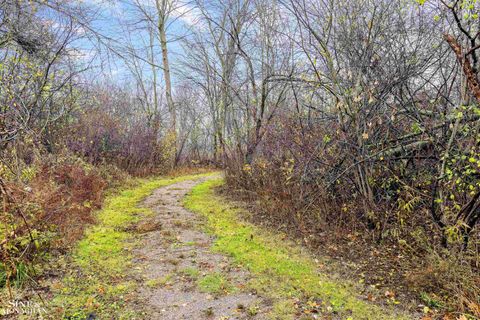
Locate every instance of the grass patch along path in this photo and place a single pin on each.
(170, 249)
(279, 270)
(100, 283)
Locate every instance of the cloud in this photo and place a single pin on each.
(187, 13)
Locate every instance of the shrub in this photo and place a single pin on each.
(48, 209)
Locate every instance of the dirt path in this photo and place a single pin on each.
(183, 278)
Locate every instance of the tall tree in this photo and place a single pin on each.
(164, 8)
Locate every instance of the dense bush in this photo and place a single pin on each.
(46, 210)
(102, 137)
(308, 180)
(368, 128)
(63, 139)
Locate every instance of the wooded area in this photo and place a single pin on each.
(341, 118)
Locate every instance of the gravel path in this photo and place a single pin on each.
(181, 273)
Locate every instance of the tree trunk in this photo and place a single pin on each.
(162, 19)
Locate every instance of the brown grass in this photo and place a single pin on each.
(68, 194)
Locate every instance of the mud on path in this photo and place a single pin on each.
(182, 277)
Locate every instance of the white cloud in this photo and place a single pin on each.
(187, 13)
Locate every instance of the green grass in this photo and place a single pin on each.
(280, 270)
(159, 282)
(214, 283)
(22, 275)
(98, 282)
(190, 272)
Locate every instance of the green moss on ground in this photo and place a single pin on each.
(190, 272)
(215, 283)
(98, 283)
(279, 269)
(160, 282)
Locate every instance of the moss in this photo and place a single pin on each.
(190, 272)
(280, 270)
(160, 282)
(214, 283)
(98, 283)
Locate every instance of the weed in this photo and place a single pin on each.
(159, 282)
(430, 300)
(191, 272)
(253, 310)
(284, 309)
(214, 283)
(17, 275)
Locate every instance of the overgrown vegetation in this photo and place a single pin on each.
(280, 270)
(354, 124)
(377, 139)
(47, 210)
(64, 139)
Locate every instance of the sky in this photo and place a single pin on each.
(110, 17)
